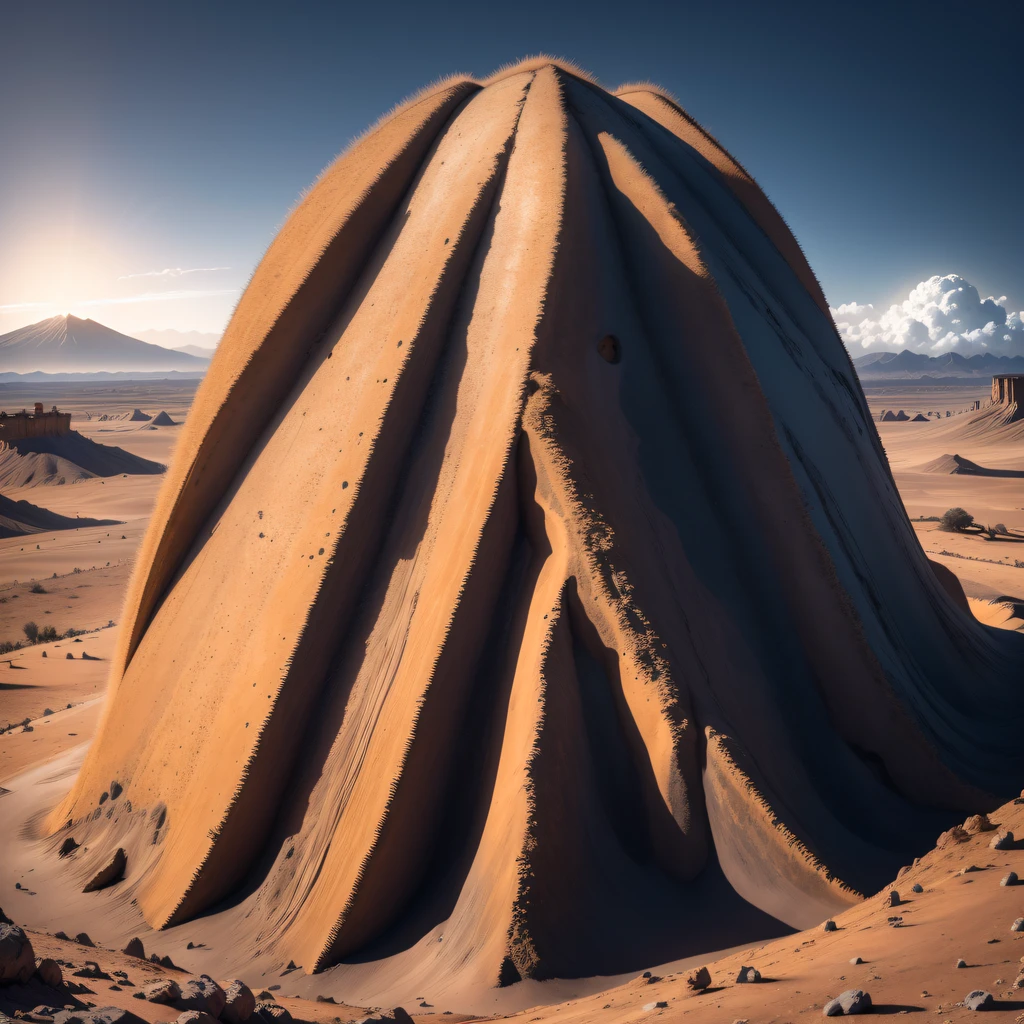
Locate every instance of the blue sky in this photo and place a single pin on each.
(143, 138)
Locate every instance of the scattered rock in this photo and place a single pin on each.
(395, 1016)
(41, 1013)
(138, 995)
(17, 960)
(1018, 925)
(1010, 879)
(830, 926)
(978, 823)
(62, 935)
(978, 1000)
(967, 870)
(50, 973)
(82, 938)
(917, 887)
(856, 960)
(893, 899)
(330, 999)
(135, 948)
(202, 993)
(961, 963)
(166, 961)
(748, 976)
(68, 847)
(165, 991)
(240, 1003)
(265, 996)
(1003, 841)
(116, 789)
(103, 1015)
(91, 970)
(699, 979)
(4, 919)
(272, 1013)
(195, 1017)
(660, 1005)
(955, 835)
(291, 966)
(852, 1001)
(111, 873)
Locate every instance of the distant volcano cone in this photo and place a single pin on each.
(161, 419)
(529, 594)
(138, 415)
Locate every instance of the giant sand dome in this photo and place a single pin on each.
(529, 595)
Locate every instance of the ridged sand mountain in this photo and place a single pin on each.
(529, 594)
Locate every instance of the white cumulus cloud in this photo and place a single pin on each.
(942, 314)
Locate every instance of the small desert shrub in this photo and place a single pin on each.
(31, 631)
(47, 634)
(956, 520)
(37, 588)
(6, 646)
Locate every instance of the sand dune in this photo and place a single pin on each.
(993, 424)
(18, 518)
(529, 595)
(66, 460)
(959, 465)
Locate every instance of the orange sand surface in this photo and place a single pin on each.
(527, 600)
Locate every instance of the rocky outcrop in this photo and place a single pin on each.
(17, 961)
(239, 1004)
(110, 873)
(201, 993)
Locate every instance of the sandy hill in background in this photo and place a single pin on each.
(66, 460)
(18, 518)
(64, 344)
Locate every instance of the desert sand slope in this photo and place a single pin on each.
(995, 424)
(66, 460)
(957, 464)
(529, 595)
(18, 518)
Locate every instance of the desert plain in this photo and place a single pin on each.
(951, 906)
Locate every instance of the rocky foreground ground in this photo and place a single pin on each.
(946, 938)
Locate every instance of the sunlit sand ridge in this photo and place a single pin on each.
(529, 595)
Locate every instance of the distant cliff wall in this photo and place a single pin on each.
(1008, 389)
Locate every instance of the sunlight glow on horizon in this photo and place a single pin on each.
(67, 267)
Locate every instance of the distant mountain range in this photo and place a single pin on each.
(67, 344)
(950, 366)
(196, 343)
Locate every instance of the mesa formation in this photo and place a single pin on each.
(529, 595)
